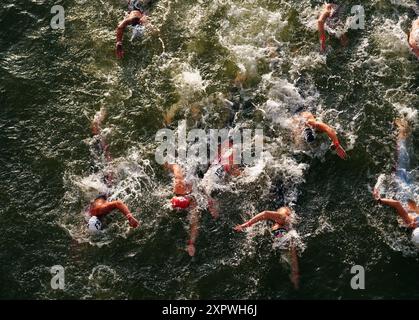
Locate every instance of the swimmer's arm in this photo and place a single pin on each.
(177, 171)
(331, 133)
(121, 28)
(119, 35)
(193, 230)
(295, 275)
(320, 126)
(120, 206)
(174, 168)
(399, 208)
(264, 215)
(320, 25)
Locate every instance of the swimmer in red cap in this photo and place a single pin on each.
(183, 200)
(282, 231)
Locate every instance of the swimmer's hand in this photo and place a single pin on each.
(191, 248)
(133, 222)
(295, 277)
(339, 150)
(119, 50)
(341, 153)
(238, 228)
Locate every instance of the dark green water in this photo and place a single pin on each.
(52, 82)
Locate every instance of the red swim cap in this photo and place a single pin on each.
(180, 202)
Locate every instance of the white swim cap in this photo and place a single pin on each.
(137, 31)
(415, 237)
(94, 224)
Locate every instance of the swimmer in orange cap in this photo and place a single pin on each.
(281, 231)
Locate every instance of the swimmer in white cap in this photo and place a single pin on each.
(136, 20)
(281, 230)
(405, 206)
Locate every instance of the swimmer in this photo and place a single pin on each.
(307, 123)
(100, 206)
(329, 19)
(183, 200)
(281, 227)
(413, 37)
(137, 20)
(223, 165)
(406, 206)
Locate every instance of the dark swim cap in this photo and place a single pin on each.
(309, 135)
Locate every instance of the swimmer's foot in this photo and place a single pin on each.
(295, 280)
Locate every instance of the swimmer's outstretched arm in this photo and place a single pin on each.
(264, 215)
(322, 127)
(320, 25)
(401, 211)
(295, 275)
(193, 230)
(120, 206)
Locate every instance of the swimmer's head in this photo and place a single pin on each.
(94, 225)
(309, 135)
(415, 237)
(138, 31)
(180, 202)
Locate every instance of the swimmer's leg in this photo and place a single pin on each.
(97, 121)
(193, 230)
(295, 275)
(403, 158)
